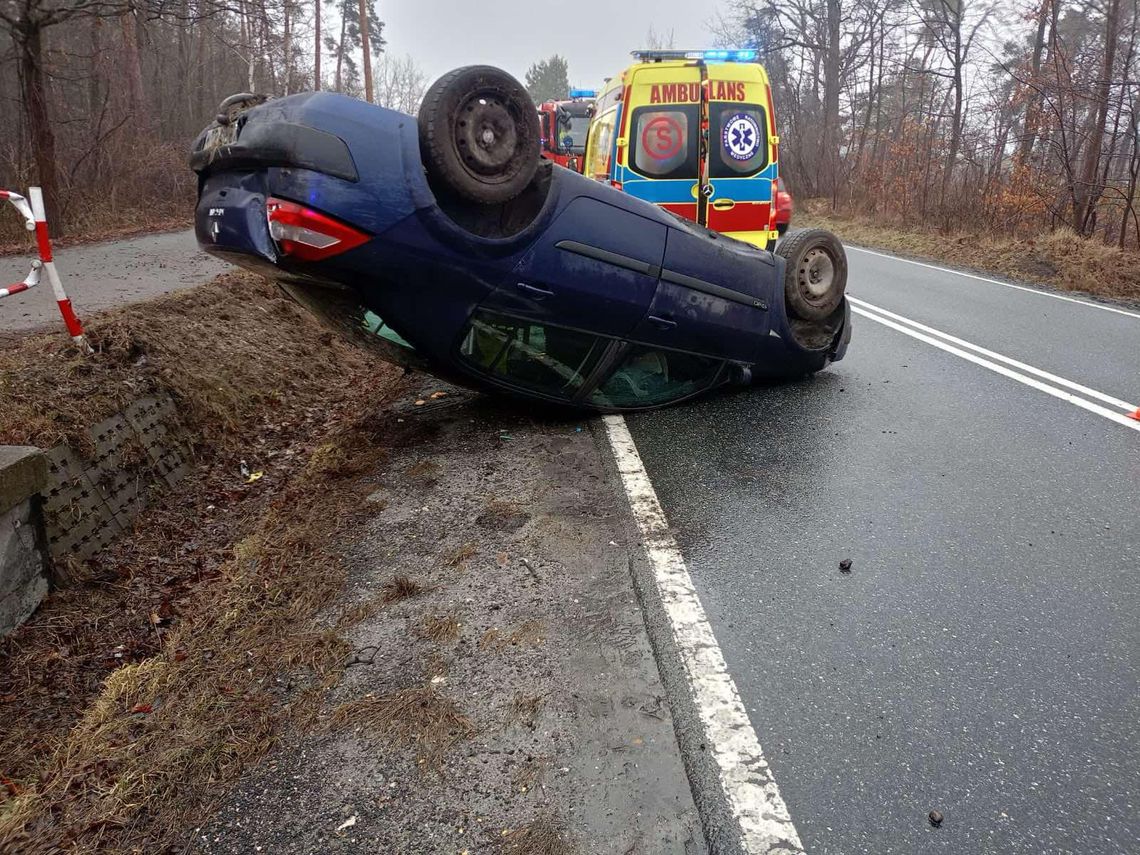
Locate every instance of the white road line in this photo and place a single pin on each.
(751, 791)
(1038, 291)
(1002, 369)
(1028, 369)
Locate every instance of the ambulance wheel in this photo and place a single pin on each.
(479, 134)
(816, 273)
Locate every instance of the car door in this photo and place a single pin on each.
(595, 268)
(713, 297)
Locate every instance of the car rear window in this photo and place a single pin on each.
(663, 141)
(739, 138)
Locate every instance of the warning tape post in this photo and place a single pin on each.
(35, 219)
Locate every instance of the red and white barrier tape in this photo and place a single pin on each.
(32, 209)
(30, 281)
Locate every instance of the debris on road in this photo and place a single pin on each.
(845, 565)
(935, 818)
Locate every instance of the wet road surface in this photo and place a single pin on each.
(101, 275)
(982, 657)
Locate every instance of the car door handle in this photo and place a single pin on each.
(662, 323)
(724, 204)
(535, 291)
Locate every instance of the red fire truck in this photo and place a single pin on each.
(565, 125)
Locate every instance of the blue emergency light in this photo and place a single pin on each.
(583, 93)
(742, 55)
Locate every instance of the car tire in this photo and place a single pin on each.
(815, 275)
(479, 134)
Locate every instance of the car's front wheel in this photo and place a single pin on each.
(815, 277)
(479, 134)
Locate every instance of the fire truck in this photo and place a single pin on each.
(565, 125)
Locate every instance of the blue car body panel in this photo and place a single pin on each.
(592, 258)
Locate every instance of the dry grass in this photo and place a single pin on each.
(531, 773)
(459, 556)
(529, 633)
(132, 700)
(526, 708)
(491, 639)
(545, 836)
(1058, 259)
(402, 588)
(440, 628)
(502, 515)
(420, 718)
(425, 469)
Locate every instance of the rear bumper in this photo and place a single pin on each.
(263, 144)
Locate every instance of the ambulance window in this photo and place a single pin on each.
(603, 138)
(741, 140)
(663, 143)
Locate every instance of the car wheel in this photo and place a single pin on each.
(816, 273)
(479, 134)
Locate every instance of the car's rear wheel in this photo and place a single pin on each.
(479, 134)
(816, 273)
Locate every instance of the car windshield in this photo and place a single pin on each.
(572, 136)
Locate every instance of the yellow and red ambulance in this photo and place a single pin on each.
(694, 132)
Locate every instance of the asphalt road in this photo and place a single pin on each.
(982, 656)
(101, 275)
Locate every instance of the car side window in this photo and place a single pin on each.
(548, 359)
(647, 376)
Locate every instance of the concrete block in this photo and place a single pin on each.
(23, 562)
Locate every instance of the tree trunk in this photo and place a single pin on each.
(1033, 104)
(133, 67)
(317, 45)
(364, 40)
(33, 97)
(831, 83)
(340, 45)
(1084, 196)
(287, 46)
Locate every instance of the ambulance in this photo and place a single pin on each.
(693, 132)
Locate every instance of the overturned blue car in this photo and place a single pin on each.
(446, 244)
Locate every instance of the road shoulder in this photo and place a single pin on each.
(522, 634)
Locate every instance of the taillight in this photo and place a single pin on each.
(307, 235)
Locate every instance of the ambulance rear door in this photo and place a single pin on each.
(742, 143)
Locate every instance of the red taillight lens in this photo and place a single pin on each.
(307, 235)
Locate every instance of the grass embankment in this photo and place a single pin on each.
(161, 668)
(1057, 259)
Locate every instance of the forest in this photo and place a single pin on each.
(1017, 117)
(105, 96)
(1013, 117)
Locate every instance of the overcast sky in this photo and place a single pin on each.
(595, 36)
